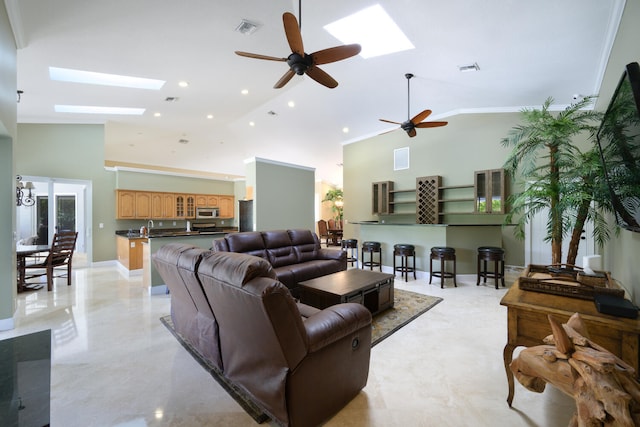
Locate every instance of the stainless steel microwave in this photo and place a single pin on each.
(207, 213)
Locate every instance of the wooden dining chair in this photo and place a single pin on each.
(323, 232)
(60, 255)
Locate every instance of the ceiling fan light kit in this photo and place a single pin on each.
(411, 124)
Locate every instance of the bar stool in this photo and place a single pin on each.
(443, 253)
(371, 248)
(495, 254)
(404, 251)
(350, 246)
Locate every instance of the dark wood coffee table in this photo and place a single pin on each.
(372, 289)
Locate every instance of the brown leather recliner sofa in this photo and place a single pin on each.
(300, 364)
(295, 255)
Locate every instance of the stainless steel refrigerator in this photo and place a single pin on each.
(245, 215)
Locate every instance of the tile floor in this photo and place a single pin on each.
(115, 364)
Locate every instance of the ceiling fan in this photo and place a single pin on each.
(417, 121)
(303, 63)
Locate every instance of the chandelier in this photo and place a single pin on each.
(23, 199)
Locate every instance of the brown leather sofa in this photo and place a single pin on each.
(295, 255)
(301, 370)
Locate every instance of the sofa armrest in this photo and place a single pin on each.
(334, 323)
(332, 254)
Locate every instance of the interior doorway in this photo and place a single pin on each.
(61, 204)
(537, 251)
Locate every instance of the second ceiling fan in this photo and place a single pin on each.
(410, 125)
(303, 63)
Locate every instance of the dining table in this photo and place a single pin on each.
(335, 236)
(22, 253)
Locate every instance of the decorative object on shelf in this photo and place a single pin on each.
(21, 198)
(306, 63)
(411, 124)
(336, 197)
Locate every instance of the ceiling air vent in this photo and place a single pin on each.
(247, 27)
(171, 99)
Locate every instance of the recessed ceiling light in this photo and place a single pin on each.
(291, 104)
(183, 141)
(345, 129)
(252, 124)
(373, 29)
(244, 91)
(157, 114)
(87, 109)
(90, 77)
(183, 84)
(209, 116)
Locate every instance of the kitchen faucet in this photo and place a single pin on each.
(149, 225)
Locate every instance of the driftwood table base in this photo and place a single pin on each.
(603, 385)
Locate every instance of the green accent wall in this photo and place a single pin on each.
(8, 113)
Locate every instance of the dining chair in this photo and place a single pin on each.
(60, 255)
(323, 232)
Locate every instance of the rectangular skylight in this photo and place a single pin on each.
(86, 109)
(90, 77)
(373, 29)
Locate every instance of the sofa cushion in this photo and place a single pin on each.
(250, 243)
(305, 243)
(279, 249)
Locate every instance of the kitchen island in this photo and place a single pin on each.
(151, 277)
(465, 239)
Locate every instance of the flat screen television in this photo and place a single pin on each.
(619, 142)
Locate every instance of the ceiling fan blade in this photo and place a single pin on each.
(334, 54)
(284, 79)
(411, 133)
(292, 31)
(258, 56)
(321, 77)
(389, 121)
(431, 124)
(420, 117)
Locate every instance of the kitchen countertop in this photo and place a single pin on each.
(170, 233)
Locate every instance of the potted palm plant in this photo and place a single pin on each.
(555, 174)
(335, 197)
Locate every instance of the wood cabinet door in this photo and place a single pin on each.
(212, 201)
(126, 204)
(190, 206)
(226, 205)
(143, 205)
(168, 205)
(156, 206)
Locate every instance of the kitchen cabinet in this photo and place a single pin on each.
(133, 205)
(207, 201)
(129, 251)
(490, 191)
(185, 206)
(226, 205)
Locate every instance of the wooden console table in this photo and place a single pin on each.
(527, 324)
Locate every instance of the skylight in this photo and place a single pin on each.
(87, 109)
(373, 29)
(90, 77)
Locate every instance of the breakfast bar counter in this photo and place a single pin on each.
(464, 238)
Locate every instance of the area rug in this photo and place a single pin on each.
(407, 306)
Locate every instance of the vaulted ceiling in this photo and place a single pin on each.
(526, 52)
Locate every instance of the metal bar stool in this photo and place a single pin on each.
(495, 254)
(443, 253)
(404, 251)
(350, 246)
(371, 248)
